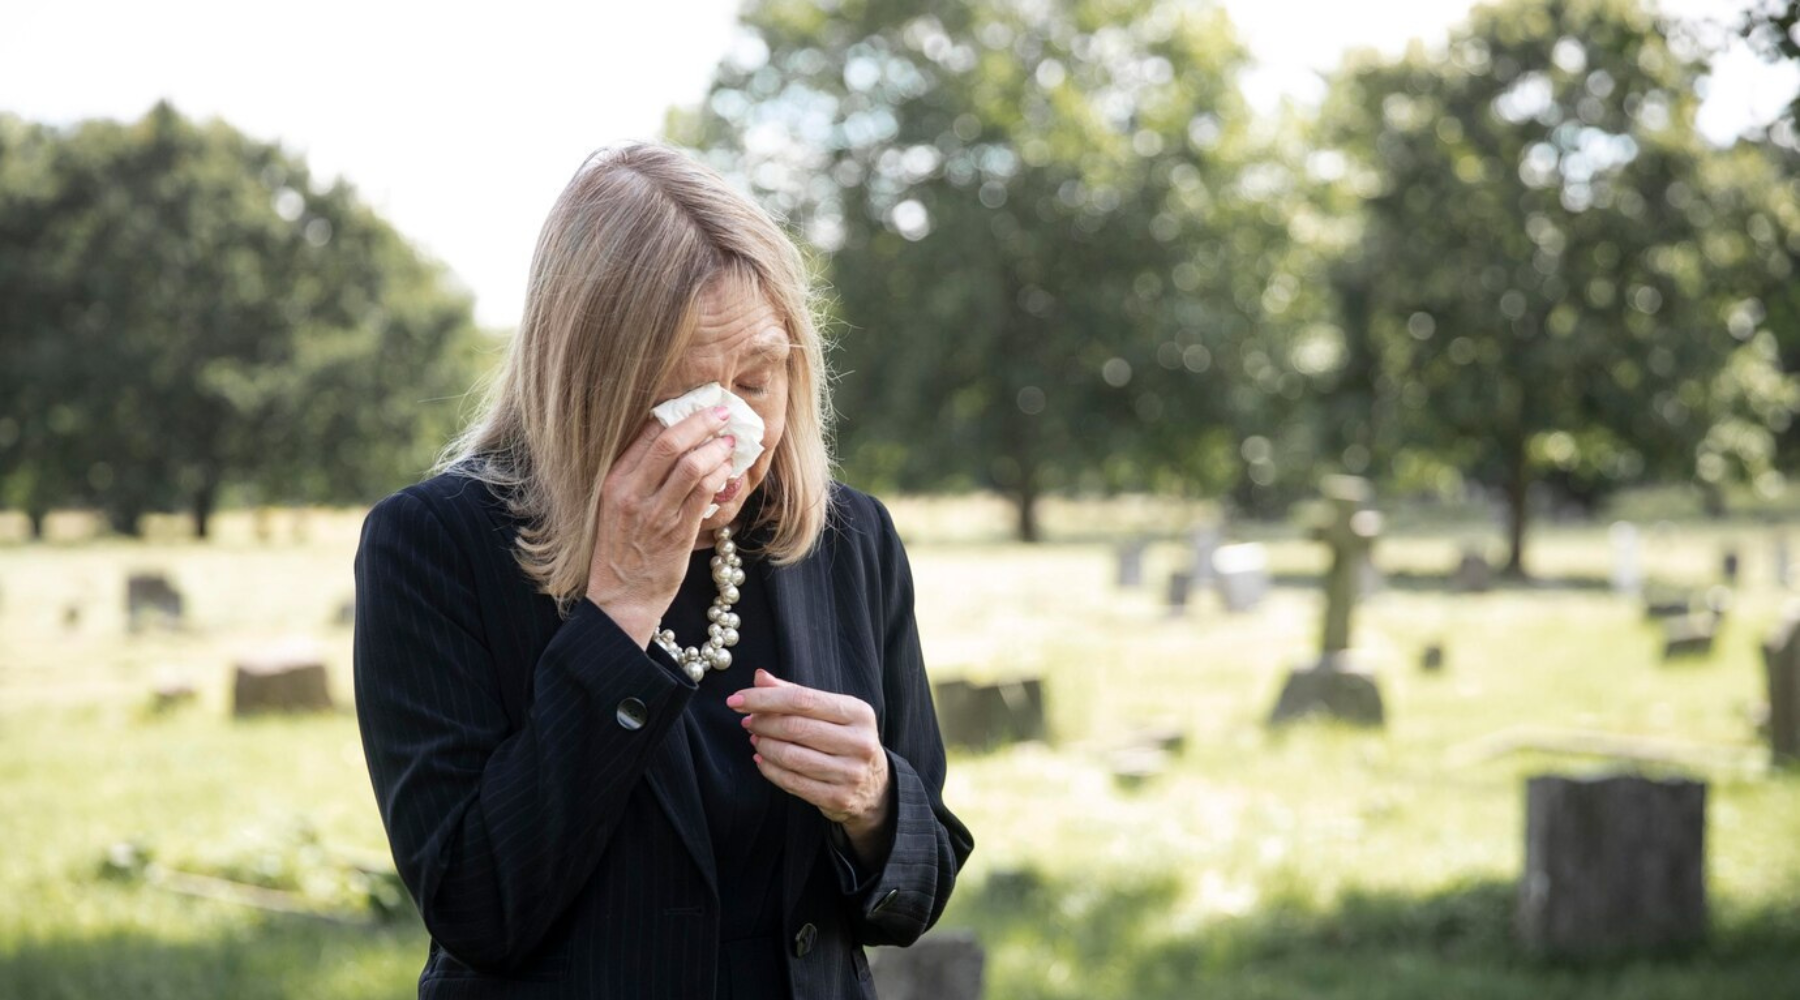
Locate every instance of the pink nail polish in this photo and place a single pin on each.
(736, 701)
(721, 413)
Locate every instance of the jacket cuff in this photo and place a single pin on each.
(904, 887)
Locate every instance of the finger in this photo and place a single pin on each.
(667, 448)
(832, 800)
(794, 699)
(688, 477)
(826, 737)
(693, 509)
(633, 455)
(805, 760)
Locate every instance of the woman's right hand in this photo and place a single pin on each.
(651, 506)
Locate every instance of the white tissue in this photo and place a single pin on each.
(743, 424)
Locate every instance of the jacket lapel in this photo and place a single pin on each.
(672, 779)
(806, 624)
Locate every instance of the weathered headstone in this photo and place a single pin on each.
(1689, 635)
(1781, 668)
(1334, 685)
(1665, 602)
(1613, 864)
(1431, 660)
(1178, 591)
(283, 679)
(1203, 541)
(1242, 574)
(983, 716)
(151, 595)
(172, 694)
(942, 965)
(1628, 562)
(1473, 574)
(1131, 563)
(1729, 563)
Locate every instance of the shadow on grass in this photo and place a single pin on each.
(271, 957)
(1065, 939)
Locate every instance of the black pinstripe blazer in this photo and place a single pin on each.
(550, 830)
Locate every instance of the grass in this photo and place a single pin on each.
(1311, 862)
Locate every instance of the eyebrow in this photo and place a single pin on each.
(772, 349)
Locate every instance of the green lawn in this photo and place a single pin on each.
(1317, 862)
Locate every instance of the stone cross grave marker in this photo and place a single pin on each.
(1334, 686)
(1781, 666)
(1242, 574)
(1628, 562)
(1613, 864)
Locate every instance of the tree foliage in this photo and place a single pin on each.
(1053, 244)
(184, 313)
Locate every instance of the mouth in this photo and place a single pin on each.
(730, 492)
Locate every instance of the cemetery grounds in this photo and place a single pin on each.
(1313, 862)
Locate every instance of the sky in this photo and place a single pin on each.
(461, 128)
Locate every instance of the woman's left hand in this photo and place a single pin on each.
(822, 747)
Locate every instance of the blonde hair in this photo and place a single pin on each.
(635, 238)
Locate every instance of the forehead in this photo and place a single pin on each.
(735, 321)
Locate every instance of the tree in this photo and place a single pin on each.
(1054, 249)
(1544, 282)
(190, 313)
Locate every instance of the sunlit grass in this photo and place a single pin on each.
(1316, 861)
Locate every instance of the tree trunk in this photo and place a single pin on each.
(125, 522)
(1518, 488)
(1712, 501)
(204, 499)
(37, 518)
(1025, 500)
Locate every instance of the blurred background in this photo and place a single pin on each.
(1115, 289)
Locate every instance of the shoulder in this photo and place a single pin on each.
(450, 503)
(859, 519)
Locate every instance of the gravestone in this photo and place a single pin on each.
(1242, 574)
(1431, 660)
(1203, 541)
(151, 596)
(1131, 563)
(1133, 767)
(1665, 602)
(1628, 563)
(1728, 567)
(983, 716)
(1613, 864)
(942, 965)
(1178, 592)
(1334, 685)
(285, 679)
(1781, 671)
(173, 694)
(1473, 574)
(1689, 635)
(1784, 564)
(346, 613)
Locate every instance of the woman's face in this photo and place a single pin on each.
(739, 342)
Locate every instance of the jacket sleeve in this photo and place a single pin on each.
(904, 897)
(493, 827)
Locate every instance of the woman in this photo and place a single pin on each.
(573, 813)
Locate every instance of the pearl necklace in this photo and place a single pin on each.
(728, 575)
